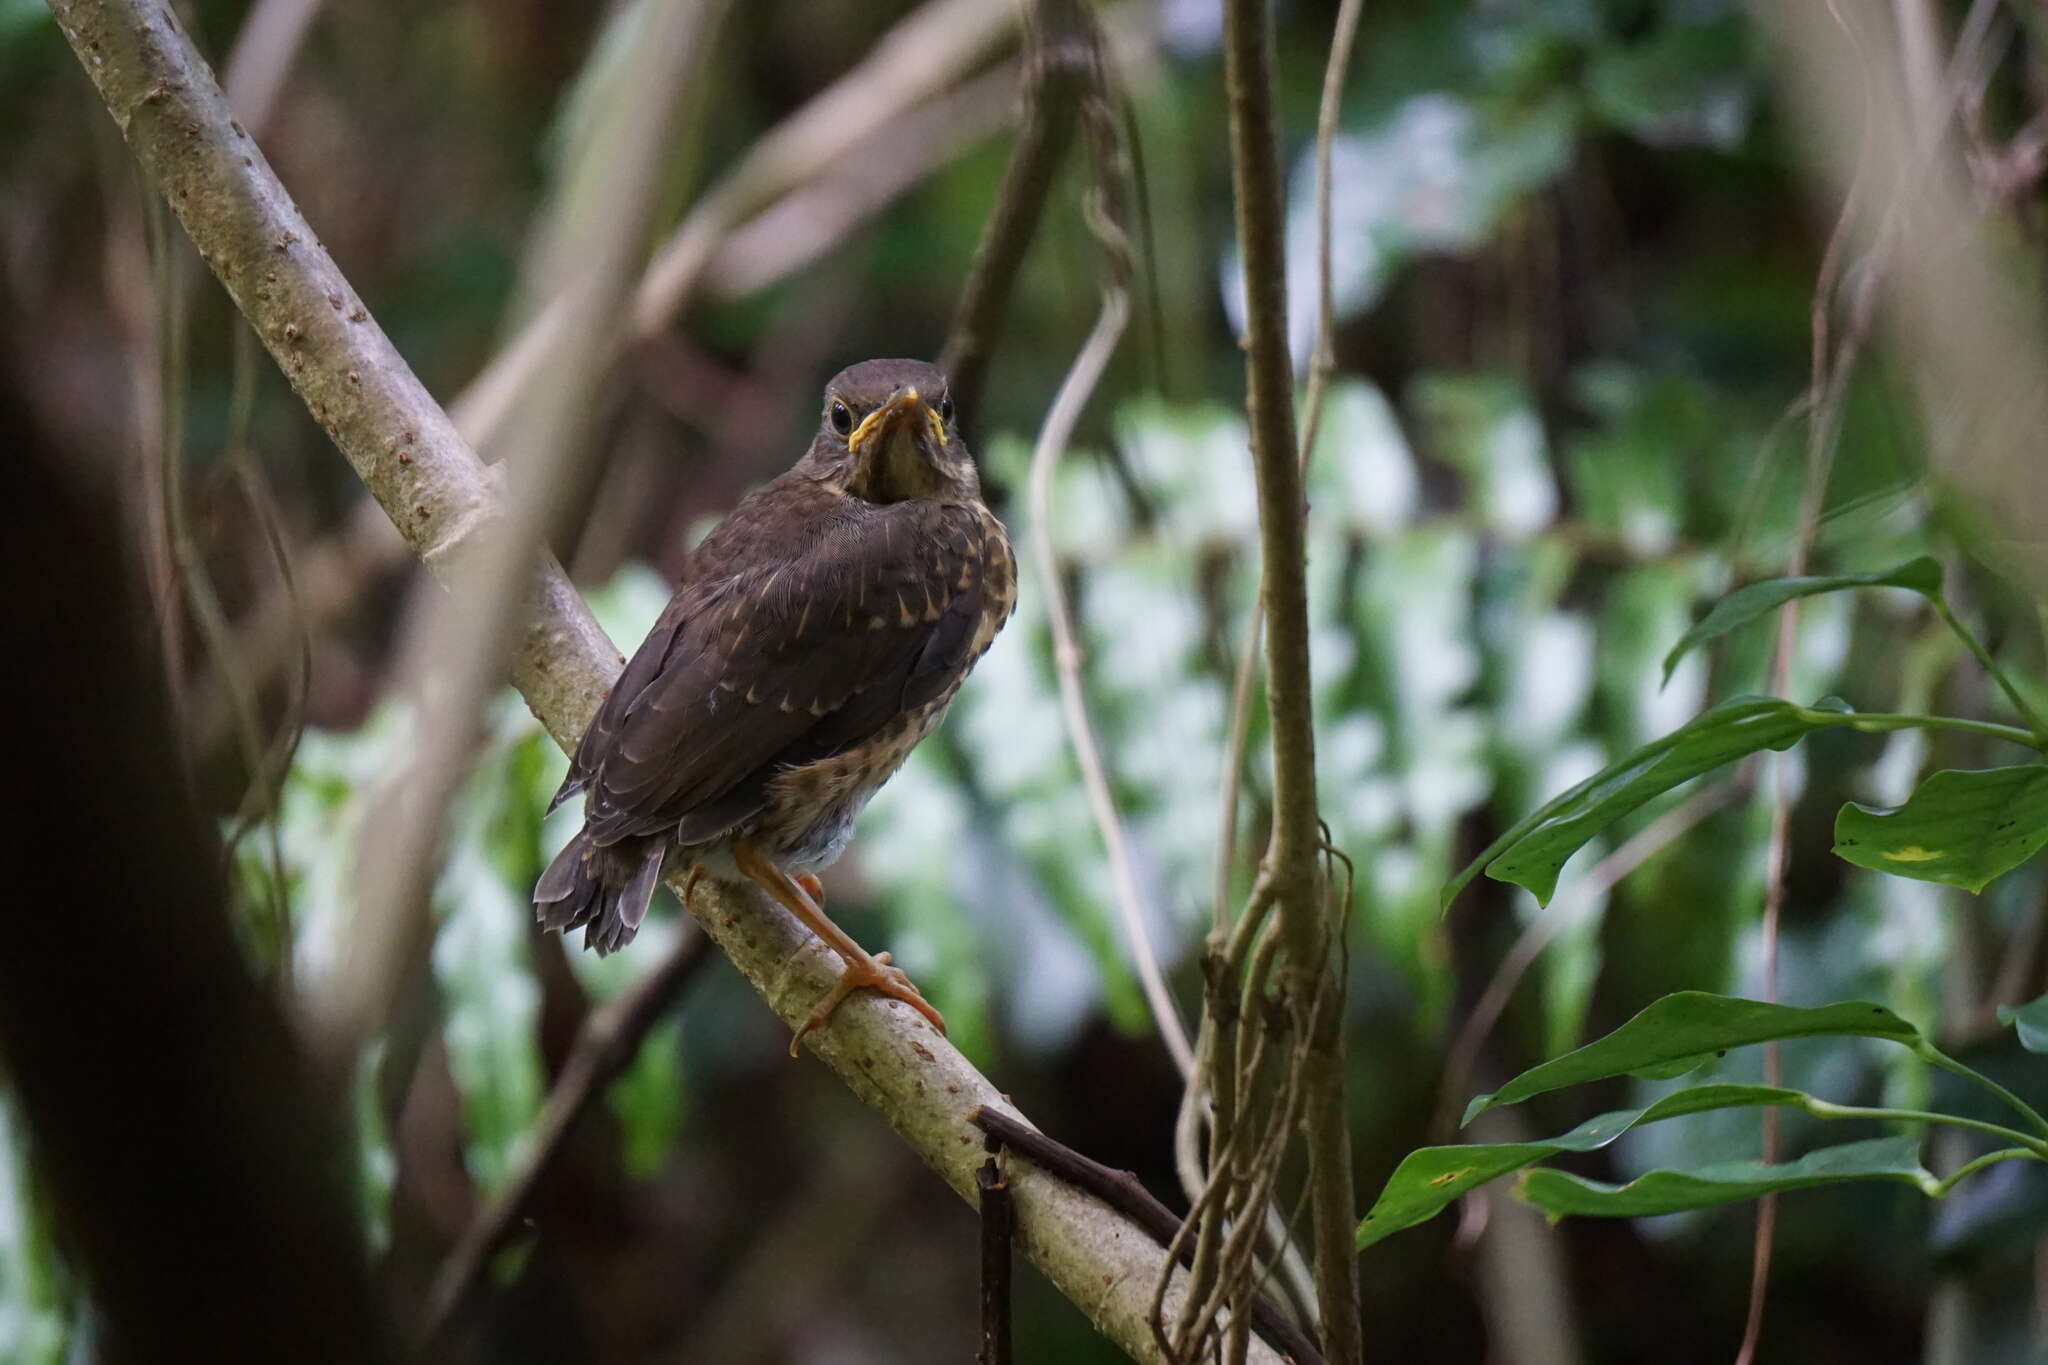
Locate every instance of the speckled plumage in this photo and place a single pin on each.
(821, 631)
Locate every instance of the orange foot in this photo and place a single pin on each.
(814, 888)
(877, 975)
(795, 894)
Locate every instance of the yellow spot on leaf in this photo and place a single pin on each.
(1448, 1177)
(1912, 853)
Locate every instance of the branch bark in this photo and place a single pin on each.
(1293, 855)
(410, 457)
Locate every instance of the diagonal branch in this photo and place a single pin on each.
(1055, 72)
(410, 457)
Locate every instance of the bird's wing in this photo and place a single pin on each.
(796, 653)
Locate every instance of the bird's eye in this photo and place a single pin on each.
(945, 409)
(842, 417)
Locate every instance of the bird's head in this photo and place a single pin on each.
(888, 434)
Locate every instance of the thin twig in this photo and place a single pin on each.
(604, 1047)
(266, 784)
(924, 54)
(1833, 364)
(997, 1224)
(266, 45)
(1292, 854)
(1055, 71)
(162, 450)
(1122, 1191)
(812, 219)
(1066, 650)
(1081, 378)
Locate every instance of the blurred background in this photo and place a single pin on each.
(1575, 259)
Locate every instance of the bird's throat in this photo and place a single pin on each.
(894, 467)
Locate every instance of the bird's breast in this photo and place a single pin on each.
(808, 815)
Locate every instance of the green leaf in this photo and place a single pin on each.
(1693, 1025)
(1960, 828)
(1430, 1178)
(1533, 852)
(1895, 1159)
(1741, 607)
(2031, 1019)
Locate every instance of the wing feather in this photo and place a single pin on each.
(785, 652)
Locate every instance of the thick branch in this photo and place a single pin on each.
(360, 390)
(1293, 855)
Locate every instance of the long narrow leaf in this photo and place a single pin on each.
(1533, 852)
(1430, 1178)
(1695, 1025)
(1741, 607)
(1894, 1159)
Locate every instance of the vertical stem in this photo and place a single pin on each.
(1293, 855)
(997, 1219)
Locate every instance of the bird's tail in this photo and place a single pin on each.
(605, 887)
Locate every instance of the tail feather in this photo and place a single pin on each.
(602, 889)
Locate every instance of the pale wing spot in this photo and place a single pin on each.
(905, 617)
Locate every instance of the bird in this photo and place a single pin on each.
(821, 630)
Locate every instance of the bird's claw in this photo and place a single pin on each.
(878, 976)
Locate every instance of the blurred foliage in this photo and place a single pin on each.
(1573, 285)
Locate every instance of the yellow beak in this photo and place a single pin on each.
(900, 410)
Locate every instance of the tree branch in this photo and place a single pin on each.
(1055, 68)
(410, 457)
(1293, 855)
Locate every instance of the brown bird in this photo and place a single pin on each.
(821, 632)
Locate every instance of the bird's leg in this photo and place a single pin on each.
(862, 969)
(813, 888)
